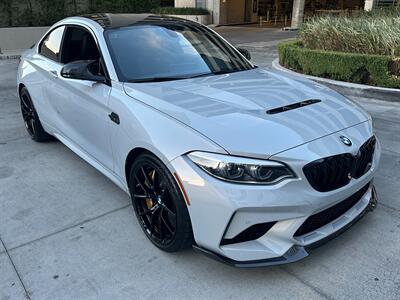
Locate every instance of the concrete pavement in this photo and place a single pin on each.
(70, 233)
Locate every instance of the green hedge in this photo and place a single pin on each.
(180, 11)
(377, 70)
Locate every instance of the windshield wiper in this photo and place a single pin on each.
(200, 75)
(220, 72)
(155, 79)
(158, 79)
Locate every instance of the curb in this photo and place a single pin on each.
(351, 89)
(10, 56)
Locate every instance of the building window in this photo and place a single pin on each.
(201, 3)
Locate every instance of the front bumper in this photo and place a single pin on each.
(220, 210)
(295, 253)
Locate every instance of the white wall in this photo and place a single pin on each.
(369, 4)
(16, 38)
(298, 13)
(185, 3)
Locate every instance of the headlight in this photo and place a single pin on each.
(241, 170)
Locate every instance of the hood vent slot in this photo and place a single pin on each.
(292, 106)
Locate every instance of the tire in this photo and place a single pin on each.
(31, 118)
(159, 205)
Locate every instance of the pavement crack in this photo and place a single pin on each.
(389, 207)
(314, 288)
(69, 227)
(16, 271)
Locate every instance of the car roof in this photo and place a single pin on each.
(109, 21)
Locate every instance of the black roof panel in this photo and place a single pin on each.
(108, 21)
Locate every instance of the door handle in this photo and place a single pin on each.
(53, 73)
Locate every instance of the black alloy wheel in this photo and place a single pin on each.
(159, 204)
(31, 118)
(27, 114)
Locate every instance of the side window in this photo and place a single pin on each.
(79, 44)
(51, 45)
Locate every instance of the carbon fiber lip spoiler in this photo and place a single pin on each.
(295, 253)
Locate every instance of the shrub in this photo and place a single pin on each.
(378, 70)
(180, 11)
(47, 12)
(376, 32)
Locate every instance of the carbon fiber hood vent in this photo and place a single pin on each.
(292, 106)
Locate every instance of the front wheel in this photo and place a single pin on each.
(31, 118)
(159, 204)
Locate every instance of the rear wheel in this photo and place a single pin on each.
(159, 204)
(31, 118)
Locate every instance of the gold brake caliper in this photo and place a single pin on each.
(149, 203)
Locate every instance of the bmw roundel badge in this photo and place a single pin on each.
(345, 140)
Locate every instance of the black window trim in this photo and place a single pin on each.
(90, 31)
(61, 44)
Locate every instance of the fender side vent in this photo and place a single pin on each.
(282, 109)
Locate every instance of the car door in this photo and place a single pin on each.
(83, 106)
(42, 83)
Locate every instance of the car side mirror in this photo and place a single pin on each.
(244, 52)
(83, 70)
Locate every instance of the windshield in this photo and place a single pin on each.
(158, 52)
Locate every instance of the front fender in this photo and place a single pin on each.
(142, 126)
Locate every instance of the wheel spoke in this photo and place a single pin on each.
(171, 214)
(167, 225)
(146, 179)
(32, 126)
(140, 196)
(153, 176)
(151, 210)
(159, 221)
(25, 103)
(25, 109)
(140, 184)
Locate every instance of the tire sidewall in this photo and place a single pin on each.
(183, 221)
(40, 134)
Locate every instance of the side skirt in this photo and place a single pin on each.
(92, 161)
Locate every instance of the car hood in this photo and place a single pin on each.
(230, 109)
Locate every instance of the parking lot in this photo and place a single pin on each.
(67, 232)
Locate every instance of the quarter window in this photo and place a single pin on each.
(51, 45)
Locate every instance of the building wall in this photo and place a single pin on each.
(18, 38)
(185, 3)
(225, 11)
(234, 12)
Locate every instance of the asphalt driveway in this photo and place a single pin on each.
(67, 232)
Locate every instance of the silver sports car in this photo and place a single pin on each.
(249, 166)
